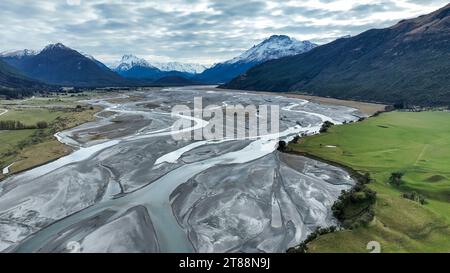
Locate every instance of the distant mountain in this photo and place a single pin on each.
(134, 67)
(16, 57)
(274, 47)
(406, 63)
(59, 65)
(128, 61)
(190, 68)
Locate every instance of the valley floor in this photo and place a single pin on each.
(365, 107)
(416, 144)
(27, 148)
(130, 187)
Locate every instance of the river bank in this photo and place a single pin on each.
(380, 147)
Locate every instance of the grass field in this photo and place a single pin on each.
(30, 116)
(417, 144)
(33, 147)
(54, 99)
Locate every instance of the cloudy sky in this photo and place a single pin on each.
(202, 31)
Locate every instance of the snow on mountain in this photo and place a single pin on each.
(129, 61)
(18, 53)
(88, 56)
(55, 46)
(97, 62)
(274, 47)
(181, 67)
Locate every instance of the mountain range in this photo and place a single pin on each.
(134, 68)
(130, 60)
(57, 64)
(408, 63)
(274, 47)
(181, 67)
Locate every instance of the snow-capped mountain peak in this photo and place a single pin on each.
(55, 46)
(128, 61)
(181, 67)
(18, 53)
(274, 47)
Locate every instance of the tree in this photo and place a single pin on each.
(282, 146)
(42, 125)
(296, 139)
(396, 178)
(325, 126)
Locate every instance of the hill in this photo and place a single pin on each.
(13, 84)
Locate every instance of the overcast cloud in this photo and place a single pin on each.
(202, 31)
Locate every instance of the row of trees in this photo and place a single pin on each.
(416, 197)
(361, 199)
(17, 125)
(16, 93)
(303, 246)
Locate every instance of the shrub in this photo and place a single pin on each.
(42, 125)
(365, 179)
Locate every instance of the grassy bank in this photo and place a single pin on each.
(416, 144)
(32, 147)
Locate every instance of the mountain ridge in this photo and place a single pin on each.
(274, 47)
(406, 63)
